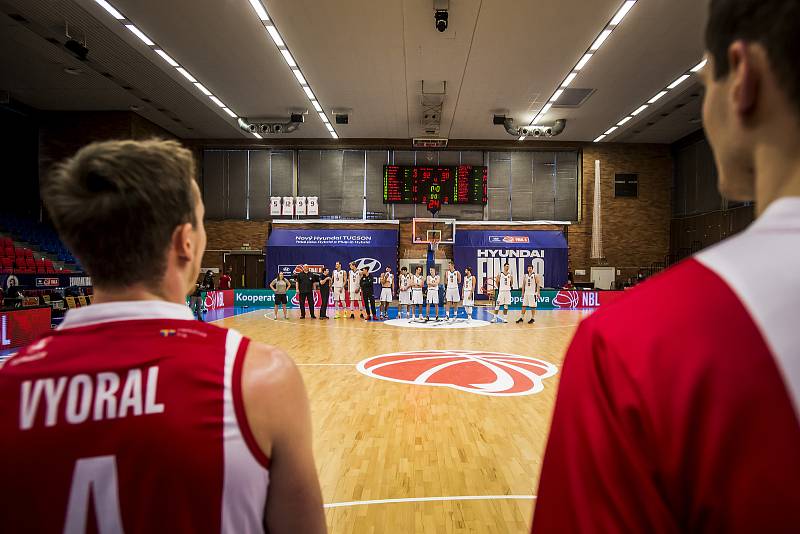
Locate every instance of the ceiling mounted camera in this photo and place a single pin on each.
(440, 14)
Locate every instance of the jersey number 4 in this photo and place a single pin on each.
(94, 478)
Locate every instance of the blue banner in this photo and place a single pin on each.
(486, 251)
(375, 249)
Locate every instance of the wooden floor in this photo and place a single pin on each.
(376, 440)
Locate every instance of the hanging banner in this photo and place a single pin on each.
(312, 205)
(374, 249)
(274, 205)
(288, 206)
(487, 251)
(300, 205)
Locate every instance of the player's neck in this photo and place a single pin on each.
(777, 173)
(132, 293)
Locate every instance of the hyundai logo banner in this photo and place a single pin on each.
(487, 251)
(373, 249)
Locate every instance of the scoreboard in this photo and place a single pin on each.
(434, 186)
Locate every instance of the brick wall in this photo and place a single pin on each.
(635, 230)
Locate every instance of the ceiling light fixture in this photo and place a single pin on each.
(166, 57)
(598, 41)
(677, 82)
(622, 12)
(658, 96)
(138, 33)
(275, 35)
(610, 130)
(521, 138)
(186, 74)
(260, 11)
(699, 65)
(568, 79)
(108, 7)
(203, 89)
(257, 136)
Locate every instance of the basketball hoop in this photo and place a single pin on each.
(434, 238)
(434, 244)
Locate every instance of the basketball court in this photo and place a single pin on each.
(438, 456)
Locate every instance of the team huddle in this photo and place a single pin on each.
(352, 293)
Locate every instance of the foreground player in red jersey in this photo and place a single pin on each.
(132, 417)
(684, 418)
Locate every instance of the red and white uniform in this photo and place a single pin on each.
(678, 406)
(129, 418)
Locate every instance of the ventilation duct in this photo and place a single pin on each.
(534, 130)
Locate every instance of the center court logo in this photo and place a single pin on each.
(483, 373)
(370, 263)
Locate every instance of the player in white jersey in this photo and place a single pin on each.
(404, 294)
(354, 287)
(469, 292)
(339, 283)
(432, 296)
(387, 292)
(453, 279)
(503, 283)
(531, 286)
(416, 293)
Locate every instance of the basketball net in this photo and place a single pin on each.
(434, 244)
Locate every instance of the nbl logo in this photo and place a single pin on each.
(566, 299)
(483, 373)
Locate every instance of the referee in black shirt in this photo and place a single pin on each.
(304, 285)
(367, 293)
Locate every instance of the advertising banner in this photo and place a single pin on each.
(43, 281)
(265, 298)
(374, 249)
(486, 251)
(568, 299)
(218, 299)
(21, 326)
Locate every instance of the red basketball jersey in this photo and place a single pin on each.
(129, 418)
(678, 405)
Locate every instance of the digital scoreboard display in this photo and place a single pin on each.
(434, 185)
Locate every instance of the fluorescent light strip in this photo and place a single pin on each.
(113, 12)
(622, 12)
(203, 89)
(599, 138)
(138, 33)
(521, 138)
(582, 63)
(257, 136)
(289, 59)
(569, 79)
(186, 74)
(166, 58)
(699, 65)
(272, 30)
(556, 95)
(260, 11)
(677, 82)
(657, 97)
(299, 76)
(276, 37)
(600, 40)
(545, 109)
